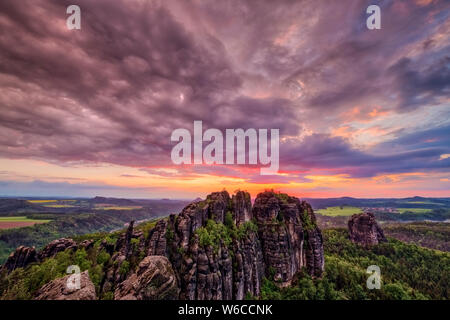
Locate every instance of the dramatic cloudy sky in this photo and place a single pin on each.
(362, 113)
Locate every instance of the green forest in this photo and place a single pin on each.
(407, 272)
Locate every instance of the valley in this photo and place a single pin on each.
(37, 222)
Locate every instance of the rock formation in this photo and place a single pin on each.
(284, 239)
(20, 258)
(154, 280)
(23, 256)
(222, 269)
(219, 248)
(86, 244)
(59, 290)
(242, 207)
(289, 236)
(364, 230)
(124, 252)
(56, 246)
(157, 243)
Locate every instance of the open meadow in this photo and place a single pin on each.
(339, 211)
(18, 222)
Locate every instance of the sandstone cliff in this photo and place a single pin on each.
(222, 247)
(364, 229)
(154, 280)
(59, 290)
(23, 256)
(20, 258)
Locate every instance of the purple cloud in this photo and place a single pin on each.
(115, 90)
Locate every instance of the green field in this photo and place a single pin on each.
(59, 206)
(414, 210)
(424, 202)
(19, 222)
(50, 203)
(339, 211)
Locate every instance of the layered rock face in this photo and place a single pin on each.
(364, 229)
(56, 246)
(224, 269)
(154, 280)
(20, 258)
(123, 252)
(59, 290)
(242, 207)
(284, 239)
(23, 256)
(289, 236)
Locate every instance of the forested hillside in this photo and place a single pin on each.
(407, 272)
(434, 235)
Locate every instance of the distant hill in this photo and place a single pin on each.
(14, 207)
(115, 201)
(412, 202)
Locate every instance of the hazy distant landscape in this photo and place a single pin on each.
(35, 222)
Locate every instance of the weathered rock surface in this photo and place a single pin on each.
(154, 280)
(157, 242)
(125, 252)
(20, 258)
(242, 207)
(314, 256)
(86, 244)
(364, 229)
(59, 290)
(56, 246)
(220, 272)
(289, 235)
(23, 256)
(287, 240)
(249, 267)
